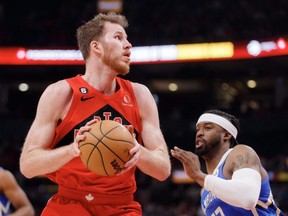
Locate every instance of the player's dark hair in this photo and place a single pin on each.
(235, 121)
(93, 29)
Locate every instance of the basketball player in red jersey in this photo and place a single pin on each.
(69, 106)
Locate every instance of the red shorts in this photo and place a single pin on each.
(75, 203)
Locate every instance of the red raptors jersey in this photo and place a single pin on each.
(87, 104)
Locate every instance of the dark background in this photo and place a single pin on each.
(262, 111)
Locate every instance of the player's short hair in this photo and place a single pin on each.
(93, 29)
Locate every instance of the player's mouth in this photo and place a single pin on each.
(199, 143)
(127, 56)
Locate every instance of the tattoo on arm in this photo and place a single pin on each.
(242, 160)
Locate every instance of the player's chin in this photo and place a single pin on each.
(124, 70)
(200, 151)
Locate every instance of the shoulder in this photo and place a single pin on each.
(242, 146)
(4, 174)
(242, 149)
(145, 100)
(60, 86)
(140, 89)
(143, 96)
(54, 100)
(60, 90)
(243, 156)
(7, 178)
(138, 85)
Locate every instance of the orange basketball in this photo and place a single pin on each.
(106, 147)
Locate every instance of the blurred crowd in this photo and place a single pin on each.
(53, 23)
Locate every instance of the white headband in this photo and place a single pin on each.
(221, 121)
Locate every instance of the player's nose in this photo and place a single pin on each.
(127, 44)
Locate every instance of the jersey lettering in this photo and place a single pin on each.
(98, 118)
(4, 210)
(107, 115)
(218, 212)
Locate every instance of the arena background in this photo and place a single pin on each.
(201, 84)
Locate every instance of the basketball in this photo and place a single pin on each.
(106, 147)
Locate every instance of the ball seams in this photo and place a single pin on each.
(104, 134)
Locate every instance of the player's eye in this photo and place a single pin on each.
(208, 128)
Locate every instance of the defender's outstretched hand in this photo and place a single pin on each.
(190, 162)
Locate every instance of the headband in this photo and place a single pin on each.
(221, 121)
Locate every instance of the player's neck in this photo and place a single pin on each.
(215, 159)
(104, 83)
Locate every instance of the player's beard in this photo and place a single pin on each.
(115, 63)
(208, 147)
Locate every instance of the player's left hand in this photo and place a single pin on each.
(189, 160)
(135, 152)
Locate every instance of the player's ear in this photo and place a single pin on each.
(95, 46)
(227, 136)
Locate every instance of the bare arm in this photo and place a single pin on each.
(36, 159)
(14, 193)
(154, 158)
(243, 156)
